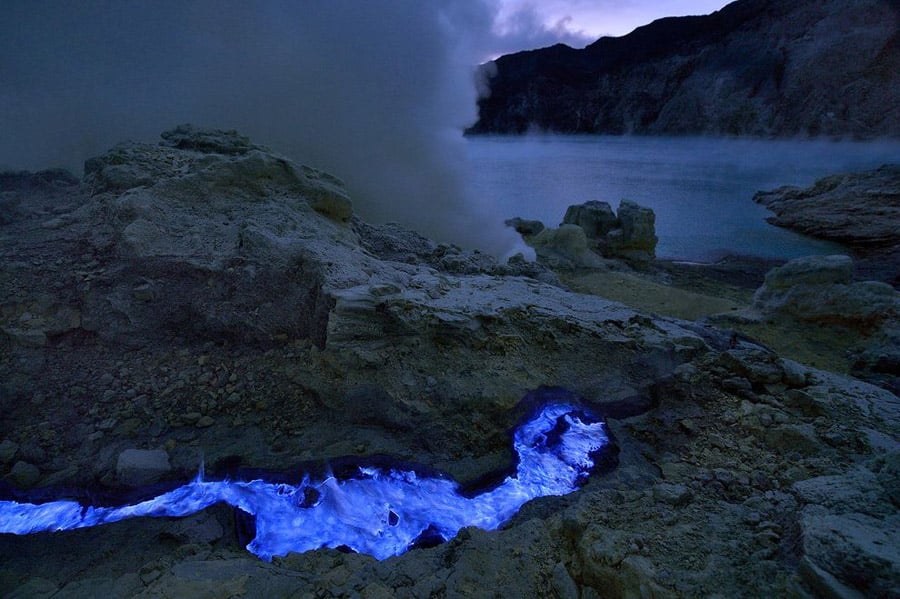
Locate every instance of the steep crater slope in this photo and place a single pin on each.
(756, 67)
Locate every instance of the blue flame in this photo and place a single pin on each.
(379, 512)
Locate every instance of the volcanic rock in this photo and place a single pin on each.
(860, 210)
(595, 217)
(755, 67)
(196, 281)
(565, 247)
(591, 230)
(635, 239)
(137, 467)
(820, 288)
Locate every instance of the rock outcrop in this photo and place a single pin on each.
(524, 227)
(206, 300)
(860, 210)
(565, 247)
(590, 231)
(755, 67)
(847, 525)
(634, 237)
(209, 238)
(820, 290)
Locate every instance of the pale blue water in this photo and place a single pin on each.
(700, 188)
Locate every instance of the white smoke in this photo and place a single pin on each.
(377, 93)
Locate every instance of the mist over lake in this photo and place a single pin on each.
(701, 189)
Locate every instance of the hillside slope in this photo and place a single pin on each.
(756, 67)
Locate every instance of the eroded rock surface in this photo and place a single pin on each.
(821, 290)
(590, 232)
(858, 209)
(205, 300)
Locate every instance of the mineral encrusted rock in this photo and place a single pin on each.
(822, 290)
(630, 234)
(592, 231)
(860, 210)
(564, 247)
(635, 237)
(205, 300)
(595, 217)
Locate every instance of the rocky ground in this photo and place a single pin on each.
(209, 299)
(860, 210)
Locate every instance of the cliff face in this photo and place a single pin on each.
(756, 67)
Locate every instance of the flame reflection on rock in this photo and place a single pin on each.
(381, 512)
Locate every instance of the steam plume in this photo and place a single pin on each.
(375, 92)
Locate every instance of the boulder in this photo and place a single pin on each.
(592, 230)
(820, 289)
(860, 551)
(595, 217)
(812, 270)
(215, 236)
(630, 235)
(23, 475)
(636, 238)
(137, 467)
(565, 247)
(525, 228)
(847, 527)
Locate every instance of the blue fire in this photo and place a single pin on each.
(381, 512)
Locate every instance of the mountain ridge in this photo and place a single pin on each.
(755, 67)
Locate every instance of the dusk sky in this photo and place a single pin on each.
(533, 23)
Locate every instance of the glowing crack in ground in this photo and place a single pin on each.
(379, 512)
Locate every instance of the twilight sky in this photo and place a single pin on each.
(525, 24)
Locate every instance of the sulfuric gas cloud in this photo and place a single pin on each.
(376, 93)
